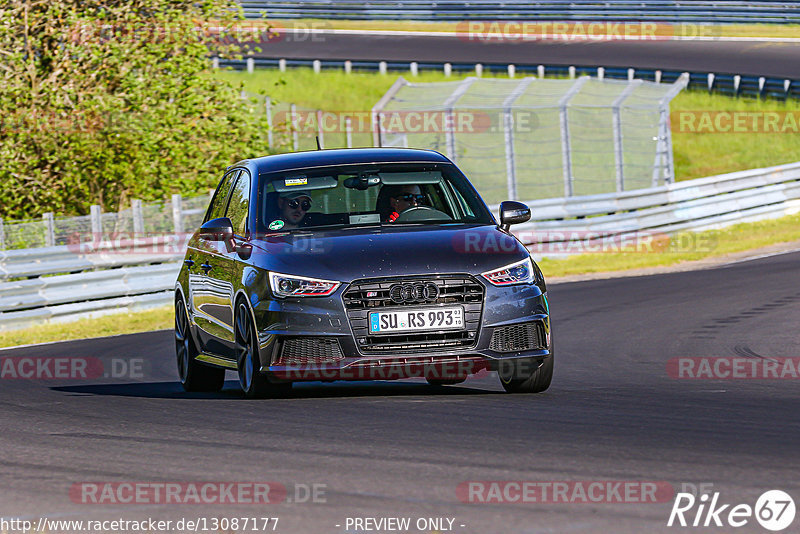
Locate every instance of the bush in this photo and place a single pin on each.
(105, 101)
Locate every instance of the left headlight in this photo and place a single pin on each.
(520, 272)
(286, 285)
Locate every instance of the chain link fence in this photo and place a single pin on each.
(538, 138)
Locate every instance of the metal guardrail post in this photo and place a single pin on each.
(508, 131)
(616, 124)
(49, 229)
(566, 146)
(97, 221)
(138, 217)
(177, 213)
(449, 121)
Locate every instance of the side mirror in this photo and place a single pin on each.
(220, 229)
(513, 212)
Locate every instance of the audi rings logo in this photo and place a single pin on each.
(410, 293)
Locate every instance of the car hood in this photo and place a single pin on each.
(349, 254)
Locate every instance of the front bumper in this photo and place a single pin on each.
(315, 339)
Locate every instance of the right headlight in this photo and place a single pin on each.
(287, 285)
(520, 272)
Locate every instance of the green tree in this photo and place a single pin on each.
(104, 101)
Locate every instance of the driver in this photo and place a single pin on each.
(402, 198)
(293, 206)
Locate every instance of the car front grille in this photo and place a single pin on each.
(309, 350)
(365, 296)
(518, 337)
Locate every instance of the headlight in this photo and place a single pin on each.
(520, 272)
(285, 285)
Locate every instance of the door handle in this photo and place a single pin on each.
(206, 267)
(189, 263)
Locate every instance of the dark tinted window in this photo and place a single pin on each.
(218, 203)
(356, 195)
(239, 203)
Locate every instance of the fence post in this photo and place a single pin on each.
(566, 148)
(268, 110)
(293, 115)
(2, 235)
(97, 222)
(49, 229)
(348, 132)
(508, 131)
(375, 113)
(450, 121)
(177, 213)
(616, 126)
(138, 217)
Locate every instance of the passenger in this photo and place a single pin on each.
(293, 206)
(395, 199)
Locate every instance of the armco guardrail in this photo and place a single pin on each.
(101, 279)
(731, 84)
(717, 11)
(694, 205)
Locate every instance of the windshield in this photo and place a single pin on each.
(368, 195)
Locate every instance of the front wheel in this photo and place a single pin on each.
(526, 375)
(254, 384)
(193, 375)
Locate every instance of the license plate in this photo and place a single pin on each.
(417, 320)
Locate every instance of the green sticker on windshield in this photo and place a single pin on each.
(276, 225)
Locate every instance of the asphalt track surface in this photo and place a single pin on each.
(756, 58)
(402, 448)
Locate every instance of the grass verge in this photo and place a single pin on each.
(712, 30)
(109, 325)
(697, 153)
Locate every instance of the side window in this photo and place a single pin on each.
(239, 203)
(217, 207)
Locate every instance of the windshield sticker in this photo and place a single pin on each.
(276, 225)
(297, 180)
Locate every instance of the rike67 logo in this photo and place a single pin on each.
(774, 510)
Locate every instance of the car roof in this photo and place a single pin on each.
(341, 156)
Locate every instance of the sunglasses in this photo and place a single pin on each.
(305, 205)
(410, 197)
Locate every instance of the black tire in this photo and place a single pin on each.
(524, 376)
(194, 376)
(255, 384)
(445, 381)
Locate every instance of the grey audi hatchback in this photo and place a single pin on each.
(358, 264)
